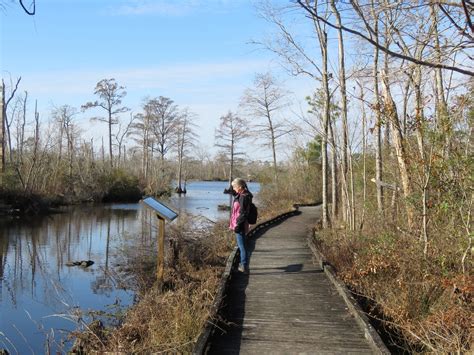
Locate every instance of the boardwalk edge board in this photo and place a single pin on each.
(232, 262)
(359, 315)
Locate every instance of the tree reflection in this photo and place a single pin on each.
(33, 257)
(102, 284)
(3, 260)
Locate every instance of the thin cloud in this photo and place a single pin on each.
(184, 75)
(170, 8)
(138, 8)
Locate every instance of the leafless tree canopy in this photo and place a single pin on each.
(406, 23)
(111, 95)
(264, 103)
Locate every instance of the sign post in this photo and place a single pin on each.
(163, 213)
(161, 250)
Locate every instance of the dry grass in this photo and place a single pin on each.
(427, 301)
(292, 187)
(168, 321)
(169, 317)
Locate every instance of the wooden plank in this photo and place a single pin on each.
(286, 304)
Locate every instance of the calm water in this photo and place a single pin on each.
(202, 197)
(40, 296)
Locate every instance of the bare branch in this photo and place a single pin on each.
(383, 48)
(29, 12)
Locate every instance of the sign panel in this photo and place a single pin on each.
(160, 208)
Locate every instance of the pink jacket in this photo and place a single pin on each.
(234, 216)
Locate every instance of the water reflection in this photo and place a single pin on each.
(40, 296)
(36, 284)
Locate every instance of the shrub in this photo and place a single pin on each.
(120, 186)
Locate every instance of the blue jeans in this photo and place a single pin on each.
(241, 244)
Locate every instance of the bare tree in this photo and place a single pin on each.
(164, 116)
(299, 60)
(318, 108)
(230, 133)
(111, 95)
(323, 47)
(346, 206)
(20, 129)
(123, 132)
(377, 105)
(28, 180)
(264, 102)
(2, 127)
(64, 116)
(141, 132)
(5, 123)
(353, 9)
(364, 154)
(185, 140)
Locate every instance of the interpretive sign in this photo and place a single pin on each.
(164, 213)
(160, 208)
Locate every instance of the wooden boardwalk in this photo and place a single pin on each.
(286, 305)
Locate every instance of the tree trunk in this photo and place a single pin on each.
(334, 196)
(145, 151)
(322, 37)
(21, 135)
(399, 145)
(103, 150)
(406, 97)
(110, 140)
(30, 176)
(419, 112)
(324, 153)
(4, 122)
(352, 205)
(346, 206)
(180, 174)
(231, 173)
(180, 158)
(60, 142)
(364, 156)
(70, 151)
(2, 128)
(442, 117)
(378, 119)
(275, 167)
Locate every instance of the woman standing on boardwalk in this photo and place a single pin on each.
(238, 218)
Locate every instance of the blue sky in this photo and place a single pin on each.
(195, 52)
